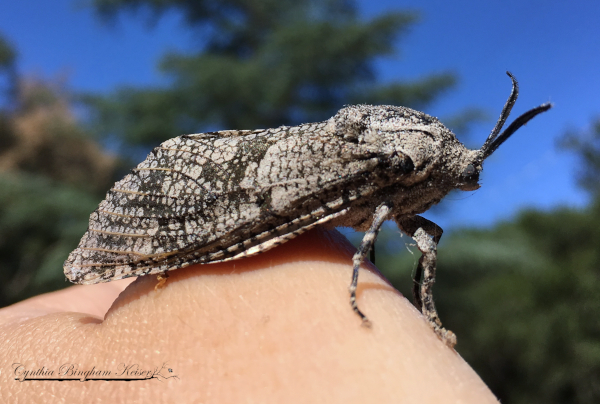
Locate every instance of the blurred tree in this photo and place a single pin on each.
(47, 162)
(45, 139)
(41, 222)
(261, 63)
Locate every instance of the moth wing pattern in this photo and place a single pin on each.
(216, 196)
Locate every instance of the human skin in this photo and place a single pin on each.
(273, 328)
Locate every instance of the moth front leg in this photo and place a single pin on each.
(427, 235)
(382, 213)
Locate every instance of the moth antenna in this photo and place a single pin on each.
(503, 115)
(513, 127)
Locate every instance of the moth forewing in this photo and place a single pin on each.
(208, 198)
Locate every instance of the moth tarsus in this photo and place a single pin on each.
(218, 196)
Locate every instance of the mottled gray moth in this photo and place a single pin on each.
(217, 196)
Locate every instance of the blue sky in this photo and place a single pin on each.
(552, 47)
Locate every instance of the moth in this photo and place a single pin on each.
(218, 196)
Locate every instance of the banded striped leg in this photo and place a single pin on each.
(381, 215)
(427, 235)
(409, 227)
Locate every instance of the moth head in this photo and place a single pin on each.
(471, 169)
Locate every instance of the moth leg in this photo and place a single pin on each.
(162, 279)
(410, 226)
(381, 215)
(427, 235)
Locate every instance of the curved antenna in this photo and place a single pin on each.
(512, 128)
(504, 114)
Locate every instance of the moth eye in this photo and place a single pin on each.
(469, 171)
(407, 164)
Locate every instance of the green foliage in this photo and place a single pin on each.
(262, 63)
(523, 299)
(41, 222)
